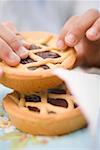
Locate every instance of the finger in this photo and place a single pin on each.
(10, 25)
(93, 33)
(83, 51)
(26, 44)
(80, 54)
(1, 72)
(61, 38)
(12, 40)
(7, 54)
(79, 27)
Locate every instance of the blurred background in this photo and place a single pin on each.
(46, 15)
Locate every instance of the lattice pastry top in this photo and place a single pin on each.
(49, 112)
(43, 56)
(53, 101)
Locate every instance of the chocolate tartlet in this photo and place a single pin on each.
(50, 112)
(34, 73)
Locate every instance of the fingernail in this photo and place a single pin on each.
(12, 59)
(22, 52)
(60, 44)
(92, 31)
(12, 56)
(70, 38)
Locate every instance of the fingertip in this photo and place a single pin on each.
(60, 43)
(70, 39)
(92, 34)
(22, 52)
(24, 55)
(12, 59)
(26, 44)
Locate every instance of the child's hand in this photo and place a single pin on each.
(12, 47)
(83, 33)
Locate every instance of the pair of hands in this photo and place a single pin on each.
(81, 32)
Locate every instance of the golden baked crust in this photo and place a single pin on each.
(35, 72)
(50, 112)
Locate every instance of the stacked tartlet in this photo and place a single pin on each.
(41, 104)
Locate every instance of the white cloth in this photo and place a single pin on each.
(86, 89)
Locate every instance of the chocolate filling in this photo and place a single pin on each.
(47, 54)
(51, 112)
(33, 47)
(45, 44)
(57, 91)
(36, 67)
(27, 60)
(33, 109)
(75, 105)
(32, 98)
(58, 102)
